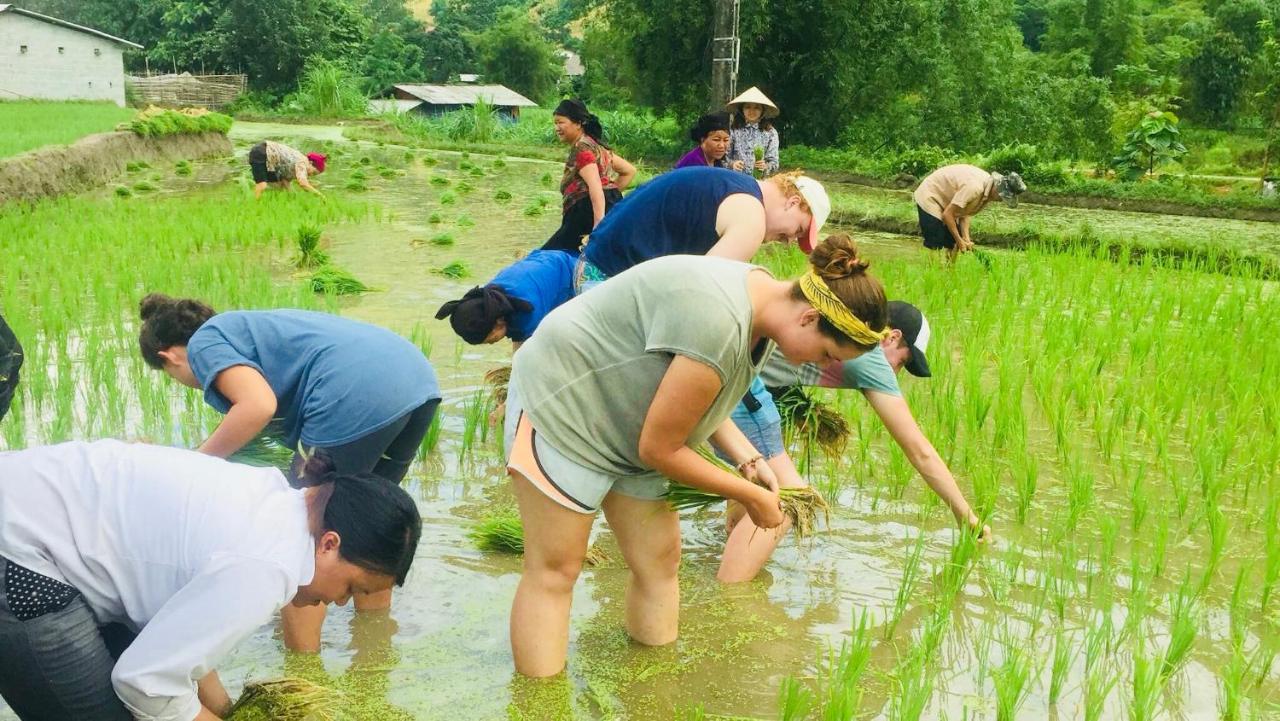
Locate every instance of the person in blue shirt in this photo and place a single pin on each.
(875, 374)
(361, 395)
(515, 301)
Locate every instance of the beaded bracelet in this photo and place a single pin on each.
(742, 467)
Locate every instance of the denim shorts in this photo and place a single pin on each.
(760, 421)
(564, 481)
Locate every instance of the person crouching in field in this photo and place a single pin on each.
(951, 195)
(656, 359)
(278, 164)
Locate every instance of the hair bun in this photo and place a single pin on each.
(154, 304)
(837, 257)
(317, 468)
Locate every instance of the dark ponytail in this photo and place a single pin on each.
(376, 519)
(167, 322)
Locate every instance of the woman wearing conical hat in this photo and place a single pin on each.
(753, 114)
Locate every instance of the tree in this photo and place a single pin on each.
(390, 60)
(1156, 139)
(1217, 73)
(472, 15)
(446, 52)
(514, 53)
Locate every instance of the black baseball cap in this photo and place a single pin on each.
(915, 331)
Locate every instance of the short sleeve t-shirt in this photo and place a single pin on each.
(966, 186)
(870, 371)
(583, 153)
(335, 379)
(673, 214)
(543, 278)
(285, 161)
(590, 373)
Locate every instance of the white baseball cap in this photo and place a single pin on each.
(819, 206)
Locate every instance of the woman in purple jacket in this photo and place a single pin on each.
(711, 135)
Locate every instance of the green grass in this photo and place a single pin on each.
(27, 125)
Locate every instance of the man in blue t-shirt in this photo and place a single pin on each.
(703, 211)
(515, 301)
(875, 374)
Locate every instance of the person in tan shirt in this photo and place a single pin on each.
(952, 194)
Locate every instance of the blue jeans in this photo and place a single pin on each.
(57, 667)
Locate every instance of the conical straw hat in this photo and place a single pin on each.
(753, 95)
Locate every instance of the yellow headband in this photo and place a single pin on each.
(827, 303)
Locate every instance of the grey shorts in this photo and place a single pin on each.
(569, 484)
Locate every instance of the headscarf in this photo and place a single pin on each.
(475, 314)
(827, 303)
(318, 160)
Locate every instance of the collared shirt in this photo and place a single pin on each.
(192, 552)
(744, 141)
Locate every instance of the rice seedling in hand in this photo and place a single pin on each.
(262, 451)
(333, 280)
(289, 699)
(309, 253)
(498, 379)
(455, 269)
(813, 421)
(800, 505)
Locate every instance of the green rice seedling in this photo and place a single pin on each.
(477, 171)
(429, 160)
(465, 155)
(332, 280)
(465, 165)
(1183, 620)
(533, 209)
(1098, 682)
(182, 167)
(794, 700)
(144, 186)
(504, 533)
(358, 174)
(388, 173)
(409, 156)
(464, 221)
(439, 181)
(1271, 570)
(502, 195)
(543, 200)
(915, 688)
(1026, 479)
(959, 563)
(499, 163)
(1231, 685)
(123, 191)
(289, 699)
(1148, 682)
(800, 505)
(262, 451)
(435, 218)
(842, 694)
(309, 253)
(455, 269)
(431, 441)
(473, 420)
(1012, 681)
(448, 198)
(464, 187)
(442, 239)
(356, 185)
(365, 160)
(911, 573)
(134, 166)
(546, 179)
(1063, 652)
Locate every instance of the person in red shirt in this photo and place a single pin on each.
(589, 185)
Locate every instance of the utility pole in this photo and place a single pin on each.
(726, 49)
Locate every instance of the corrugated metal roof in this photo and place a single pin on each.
(468, 94)
(393, 105)
(55, 21)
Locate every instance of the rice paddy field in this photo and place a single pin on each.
(1117, 423)
(26, 125)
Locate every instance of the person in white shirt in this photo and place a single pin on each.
(188, 552)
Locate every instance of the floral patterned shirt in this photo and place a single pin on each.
(285, 161)
(744, 141)
(583, 153)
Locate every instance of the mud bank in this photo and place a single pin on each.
(94, 160)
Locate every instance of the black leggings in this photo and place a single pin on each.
(10, 363)
(578, 221)
(387, 452)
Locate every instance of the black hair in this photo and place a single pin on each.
(740, 119)
(475, 314)
(708, 124)
(576, 110)
(376, 519)
(167, 322)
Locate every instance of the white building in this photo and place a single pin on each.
(51, 59)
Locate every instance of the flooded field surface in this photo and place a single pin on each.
(1119, 426)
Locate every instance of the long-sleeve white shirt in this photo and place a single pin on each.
(192, 552)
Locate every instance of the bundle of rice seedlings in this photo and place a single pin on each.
(504, 534)
(336, 281)
(801, 505)
(812, 420)
(456, 269)
(287, 699)
(263, 452)
(309, 253)
(498, 380)
(985, 257)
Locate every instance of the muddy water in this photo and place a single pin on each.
(443, 651)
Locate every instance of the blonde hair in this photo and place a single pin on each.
(836, 262)
(786, 183)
